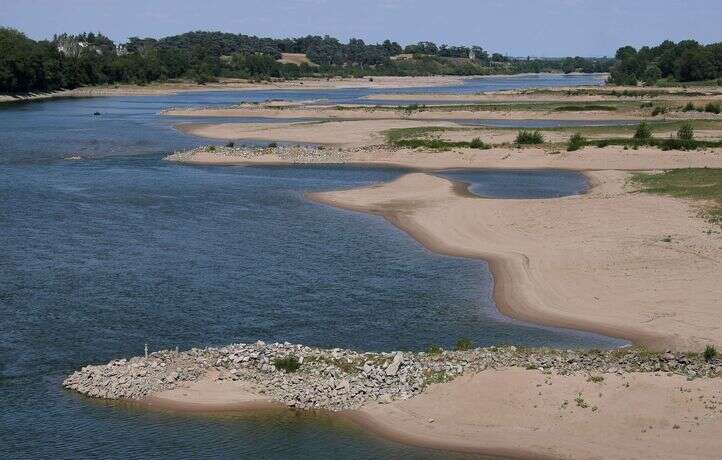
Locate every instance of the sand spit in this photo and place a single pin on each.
(590, 158)
(597, 262)
(497, 400)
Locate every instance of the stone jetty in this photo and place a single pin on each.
(338, 379)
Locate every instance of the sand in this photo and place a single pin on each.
(594, 262)
(239, 85)
(514, 412)
(520, 413)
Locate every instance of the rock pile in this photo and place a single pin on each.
(339, 379)
(288, 153)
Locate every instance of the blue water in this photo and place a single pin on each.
(102, 255)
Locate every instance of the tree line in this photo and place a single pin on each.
(686, 61)
(70, 61)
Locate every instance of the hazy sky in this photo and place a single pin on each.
(514, 27)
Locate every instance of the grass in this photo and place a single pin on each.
(463, 345)
(529, 137)
(709, 353)
(287, 364)
(433, 350)
(704, 184)
(585, 108)
(412, 138)
(576, 142)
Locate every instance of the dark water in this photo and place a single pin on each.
(102, 255)
(525, 184)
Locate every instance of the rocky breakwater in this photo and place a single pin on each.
(284, 153)
(338, 379)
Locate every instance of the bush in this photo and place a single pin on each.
(689, 107)
(477, 143)
(713, 108)
(709, 353)
(288, 364)
(658, 110)
(231, 144)
(433, 350)
(211, 148)
(529, 137)
(272, 145)
(603, 143)
(463, 345)
(678, 144)
(576, 142)
(643, 132)
(686, 132)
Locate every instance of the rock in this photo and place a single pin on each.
(393, 368)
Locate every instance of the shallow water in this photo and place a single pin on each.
(105, 254)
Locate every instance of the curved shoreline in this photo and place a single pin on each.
(516, 284)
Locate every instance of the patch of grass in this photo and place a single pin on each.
(585, 108)
(463, 345)
(694, 183)
(689, 107)
(686, 132)
(713, 107)
(658, 110)
(576, 142)
(287, 364)
(529, 137)
(595, 379)
(433, 350)
(710, 353)
(580, 401)
(477, 143)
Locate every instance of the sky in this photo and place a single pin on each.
(512, 27)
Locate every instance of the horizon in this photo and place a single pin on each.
(586, 28)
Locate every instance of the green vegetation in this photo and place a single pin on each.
(583, 108)
(69, 61)
(686, 132)
(689, 107)
(695, 183)
(463, 345)
(643, 132)
(529, 138)
(413, 138)
(713, 107)
(576, 142)
(686, 61)
(433, 350)
(658, 110)
(288, 364)
(710, 353)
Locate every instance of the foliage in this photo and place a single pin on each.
(576, 142)
(433, 350)
(529, 137)
(582, 108)
(69, 61)
(643, 132)
(713, 107)
(686, 132)
(463, 345)
(658, 110)
(287, 364)
(686, 61)
(689, 107)
(710, 353)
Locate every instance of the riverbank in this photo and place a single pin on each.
(156, 89)
(629, 277)
(525, 402)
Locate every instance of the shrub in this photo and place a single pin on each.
(211, 148)
(658, 110)
(678, 144)
(477, 143)
(643, 132)
(231, 144)
(272, 145)
(686, 132)
(529, 137)
(288, 364)
(689, 107)
(603, 143)
(709, 353)
(433, 350)
(463, 344)
(576, 142)
(713, 108)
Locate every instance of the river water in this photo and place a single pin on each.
(119, 249)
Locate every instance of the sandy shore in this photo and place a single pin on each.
(155, 89)
(585, 262)
(520, 413)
